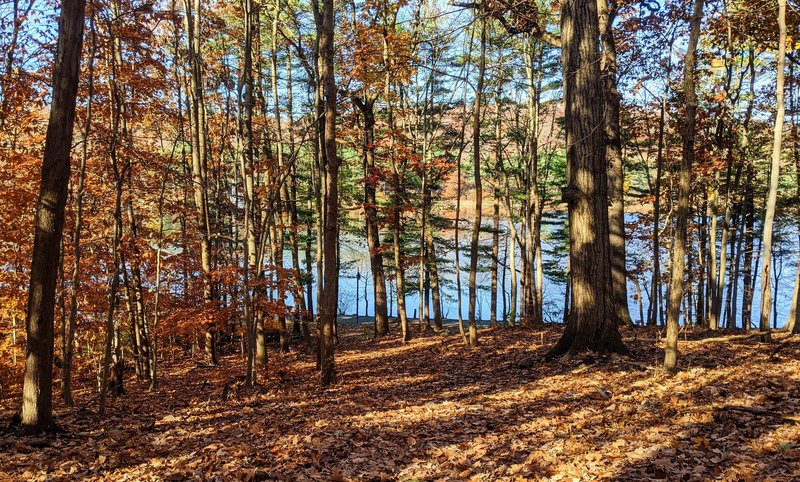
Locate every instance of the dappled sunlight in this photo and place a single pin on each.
(434, 409)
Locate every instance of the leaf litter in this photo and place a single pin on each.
(432, 409)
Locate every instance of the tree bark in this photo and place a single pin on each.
(533, 271)
(366, 106)
(329, 293)
(676, 284)
(476, 160)
(616, 175)
(397, 212)
(434, 281)
(37, 393)
(197, 128)
(655, 297)
(255, 351)
(769, 216)
(592, 321)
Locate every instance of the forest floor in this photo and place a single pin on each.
(433, 409)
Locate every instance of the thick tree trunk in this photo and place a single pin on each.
(328, 303)
(676, 284)
(592, 321)
(37, 393)
(616, 176)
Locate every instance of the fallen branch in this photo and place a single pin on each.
(722, 339)
(746, 336)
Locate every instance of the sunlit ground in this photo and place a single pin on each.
(433, 409)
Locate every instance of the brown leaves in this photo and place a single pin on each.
(409, 411)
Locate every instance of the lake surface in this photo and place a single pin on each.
(355, 261)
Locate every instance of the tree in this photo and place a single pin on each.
(328, 303)
(772, 196)
(476, 160)
(676, 281)
(199, 137)
(616, 176)
(37, 395)
(592, 322)
(254, 334)
(69, 335)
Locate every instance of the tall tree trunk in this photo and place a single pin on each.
(476, 160)
(498, 167)
(749, 235)
(498, 160)
(531, 255)
(300, 320)
(457, 224)
(397, 214)
(37, 392)
(255, 351)
(328, 303)
(371, 213)
(282, 214)
(66, 378)
(111, 352)
(592, 322)
(197, 128)
(772, 197)
(792, 322)
(655, 293)
(676, 283)
(616, 175)
(423, 325)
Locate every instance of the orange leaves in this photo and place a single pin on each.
(413, 411)
(194, 319)
(374, 47)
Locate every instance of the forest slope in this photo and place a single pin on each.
(432, 409)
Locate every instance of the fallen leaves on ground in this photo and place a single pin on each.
(433, 409)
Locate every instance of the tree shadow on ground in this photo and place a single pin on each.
(433, 409)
